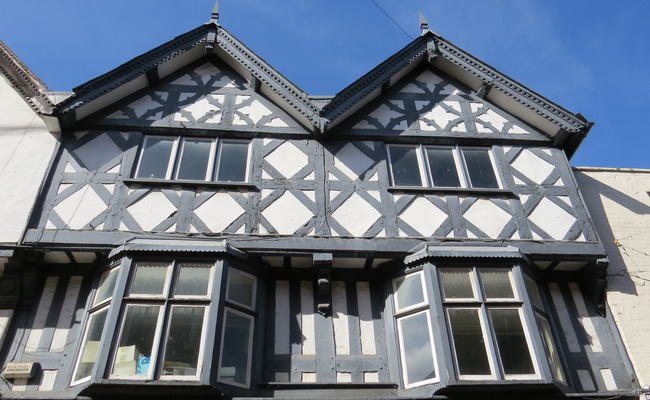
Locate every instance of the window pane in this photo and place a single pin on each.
(457, 284)
(533, 291)
(469, 343)
(155, 158)
(442, 167)
(408, 291)
(515, 355)
(479, 168)
(194, 159)
(150, 278)
(90, 347)
(497, 284)
(136, 341)
(106, 286)
(183, 341)
(417, 353)
(551, 350)
(241, 288)
(232, 160)
(193, 280)
(235, 352)
(404, 165)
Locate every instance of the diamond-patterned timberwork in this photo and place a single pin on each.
(208, 96)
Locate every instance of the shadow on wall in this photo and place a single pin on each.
(593, 191)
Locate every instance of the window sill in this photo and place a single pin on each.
(187, 183)
(454, 190)
(332, 385)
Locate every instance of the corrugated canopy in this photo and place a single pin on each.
(427, 250)
(178, 245)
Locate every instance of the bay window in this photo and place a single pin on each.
(483, 314)
(194, 159)
(442, 166)
(165, 308)
(161, 324)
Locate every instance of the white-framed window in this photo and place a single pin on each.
(92, 335)
(193, 159)
(442, 166)
(489, 334)
(161, 331)
(544, 326)
(416, 345)
(238, 324)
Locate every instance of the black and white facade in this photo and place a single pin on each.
(208, 229)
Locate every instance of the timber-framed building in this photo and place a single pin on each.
(208, 229)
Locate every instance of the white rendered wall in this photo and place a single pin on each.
(26, 148)
(619, 203)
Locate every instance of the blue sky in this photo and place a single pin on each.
(589, 56)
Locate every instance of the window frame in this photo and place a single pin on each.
(93, 309)
(484, 304)
(176, 157)
(410, 311)
(166, 302)
(460, 163)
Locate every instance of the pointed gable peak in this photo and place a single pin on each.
(214, 17)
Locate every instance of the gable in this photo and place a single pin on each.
(206, 95)
(427, 103)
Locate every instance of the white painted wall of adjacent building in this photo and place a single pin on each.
(619, 203)
(26, 148)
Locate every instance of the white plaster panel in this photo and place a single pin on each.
(585, 319)
(80, 208)
(26, 148)
(44, 305)
(423, 216)
(384, 114)
(210, 104)
(287, 159)
(340, 318)
(552, 219)
(219, 211)
(287, 214)
(366, 320)
(352, 161)
(255, 111)
(371, 377)
(488, 217)
(97, 152)
(47, 381)
(343, 377)
(533, 167)
(307, 325)
(356, 215)
(59, 340)
(151, 210)
(5, 319)
(441, 117)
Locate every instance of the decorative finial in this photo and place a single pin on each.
(215, 12)
(424, 25)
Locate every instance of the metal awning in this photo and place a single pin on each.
(178, 245)
(428, 250)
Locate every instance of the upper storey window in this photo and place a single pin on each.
(437, 166)
(197, 159)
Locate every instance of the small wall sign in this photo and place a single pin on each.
(22, 370)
